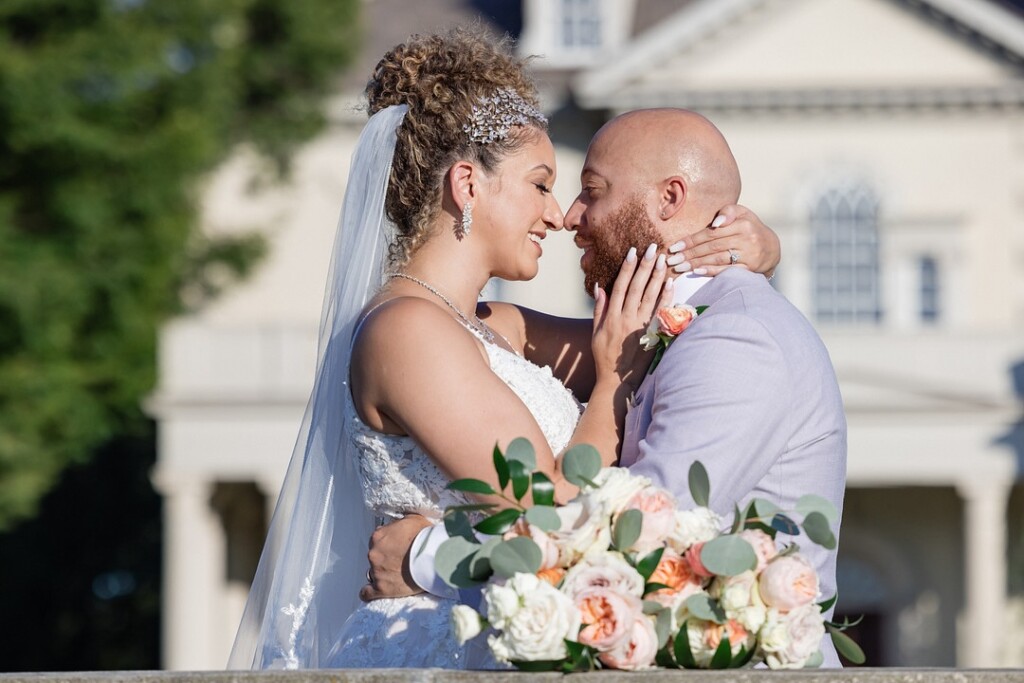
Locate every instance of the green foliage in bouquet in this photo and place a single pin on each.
(466, 560)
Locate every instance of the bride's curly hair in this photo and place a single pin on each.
(440, 78)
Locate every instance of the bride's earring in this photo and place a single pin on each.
(467, 220)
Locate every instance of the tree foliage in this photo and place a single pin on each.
(111, 113)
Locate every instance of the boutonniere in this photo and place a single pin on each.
(667, 324)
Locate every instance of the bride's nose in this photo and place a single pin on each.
(553, 216)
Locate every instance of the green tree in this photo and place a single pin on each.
(111, 113)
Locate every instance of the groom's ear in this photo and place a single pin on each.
(463, 183)
(672, 195)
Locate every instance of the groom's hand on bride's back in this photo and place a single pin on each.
(390, 545)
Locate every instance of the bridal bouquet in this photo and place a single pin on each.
(620, 578)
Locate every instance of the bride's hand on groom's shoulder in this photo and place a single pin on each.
(390, 575)
(736, 230)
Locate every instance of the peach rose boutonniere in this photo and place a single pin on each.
(667, 324)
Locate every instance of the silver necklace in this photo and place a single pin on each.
(480, 326)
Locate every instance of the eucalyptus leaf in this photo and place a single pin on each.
(700, 486)
(543, 489)
(728, 556)
(815, 660)
(723, 654)
(521, 450)
(817, 529)
(703, 606)
(649, 563)
(501, 467)
(663, 626)
(520, 476)
(457, 523)
(580, 464)
(737, 520)
(519, 555)
(654, 587)
(652, 607)
(846, 646)
(472, 486)
(681, 648)
(781, 522)
(764, 509)
(812, 503)
(453, 562)
(627, 529)
(480, 565)
(499, 522)
(544, 517)
(828, 603)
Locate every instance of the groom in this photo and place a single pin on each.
(748, 390)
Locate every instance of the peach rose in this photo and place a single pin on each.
(552, 575)
(788, 582)
(675, 572)
(674, 319)
(637, 650)
(659, 510)
(763, 545)
(607, 616)
(733, 630)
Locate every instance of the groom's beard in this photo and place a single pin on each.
(628, 227)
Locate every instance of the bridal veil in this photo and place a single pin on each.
(314, 560)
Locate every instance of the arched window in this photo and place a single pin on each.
(844, 225)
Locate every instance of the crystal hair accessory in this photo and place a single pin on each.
(494, 116)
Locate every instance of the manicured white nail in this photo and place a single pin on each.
(670, 284)
(595, 291)
(660, 265)
(683, 267)
(651, 251)
(631, 254)
(676, 259)
(717, 223)
(678, 246)
(700, 271)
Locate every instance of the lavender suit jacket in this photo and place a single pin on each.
(749, 391)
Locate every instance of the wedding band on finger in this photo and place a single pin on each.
(734, 257)
(369, 579)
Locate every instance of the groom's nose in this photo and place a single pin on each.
(574, 215)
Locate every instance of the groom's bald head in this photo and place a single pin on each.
(650, 175)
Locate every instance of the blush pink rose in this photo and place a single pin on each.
(763, 545)
(607, 617)
(693, 557)
(788, 582)
(637, 650)
(659, 510)
(675, 572)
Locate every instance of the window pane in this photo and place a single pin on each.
(845, 252)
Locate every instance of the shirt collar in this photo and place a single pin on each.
(686, 286)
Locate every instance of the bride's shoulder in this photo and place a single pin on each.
(408, 325)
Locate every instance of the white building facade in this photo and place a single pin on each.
(882, 139)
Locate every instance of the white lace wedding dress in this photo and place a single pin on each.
(399, 478)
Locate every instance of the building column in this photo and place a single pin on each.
(985, 533)
(194, 567)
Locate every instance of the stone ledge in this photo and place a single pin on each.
(444, 676)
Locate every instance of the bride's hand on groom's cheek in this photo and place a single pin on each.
(389, 575)
(621, 316)
(735, 230)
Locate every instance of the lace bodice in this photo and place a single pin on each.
(399, 478)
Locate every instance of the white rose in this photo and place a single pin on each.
(700, 647)
(586, 529)
(466, 623)
(739, 597)
(616, 487)
(603, 570)
(698, 525)
(501, 602)
(538, 629)
(789, 639)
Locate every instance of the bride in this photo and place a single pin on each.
(450, 185)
